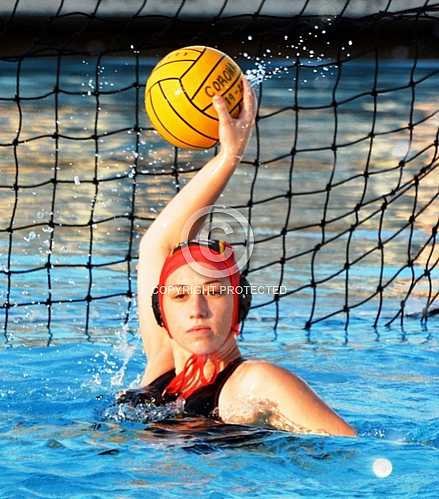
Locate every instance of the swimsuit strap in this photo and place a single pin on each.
(204, 401)
(224, 375)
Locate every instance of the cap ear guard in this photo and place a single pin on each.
(156, 306)
(245, 300)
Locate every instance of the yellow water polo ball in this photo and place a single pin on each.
(179, 91)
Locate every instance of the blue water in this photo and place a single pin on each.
(61, 436)
(57, 441)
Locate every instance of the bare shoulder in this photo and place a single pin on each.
(259, 392)
(248, 389)
(250, 379)
(254, 374)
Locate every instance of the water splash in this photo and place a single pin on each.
(142, 413)
(301, 51)
(125, 350)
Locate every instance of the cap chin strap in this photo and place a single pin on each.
(192, 377)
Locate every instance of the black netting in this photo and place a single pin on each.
(83, 174)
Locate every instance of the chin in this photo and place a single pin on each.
(202, 347)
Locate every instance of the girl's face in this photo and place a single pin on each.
(198, 310)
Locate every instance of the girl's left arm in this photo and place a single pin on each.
(289, 403)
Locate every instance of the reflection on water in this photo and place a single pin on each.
(105, 172)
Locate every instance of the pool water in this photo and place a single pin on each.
(59, 441)
(61, 435)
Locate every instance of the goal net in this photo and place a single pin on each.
(340, 181)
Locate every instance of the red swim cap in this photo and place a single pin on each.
(215, 257)
(217, 260)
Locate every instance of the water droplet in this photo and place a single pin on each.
(30, 236)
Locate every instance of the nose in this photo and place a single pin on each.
(199, 307)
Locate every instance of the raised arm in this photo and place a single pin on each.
(166, 231)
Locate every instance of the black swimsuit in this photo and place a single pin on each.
(203, 402)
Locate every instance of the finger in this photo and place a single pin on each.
(220, 107)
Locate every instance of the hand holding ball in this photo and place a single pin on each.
(179, 92)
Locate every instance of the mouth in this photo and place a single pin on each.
(199, 329)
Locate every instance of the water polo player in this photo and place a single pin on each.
(189, 312)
